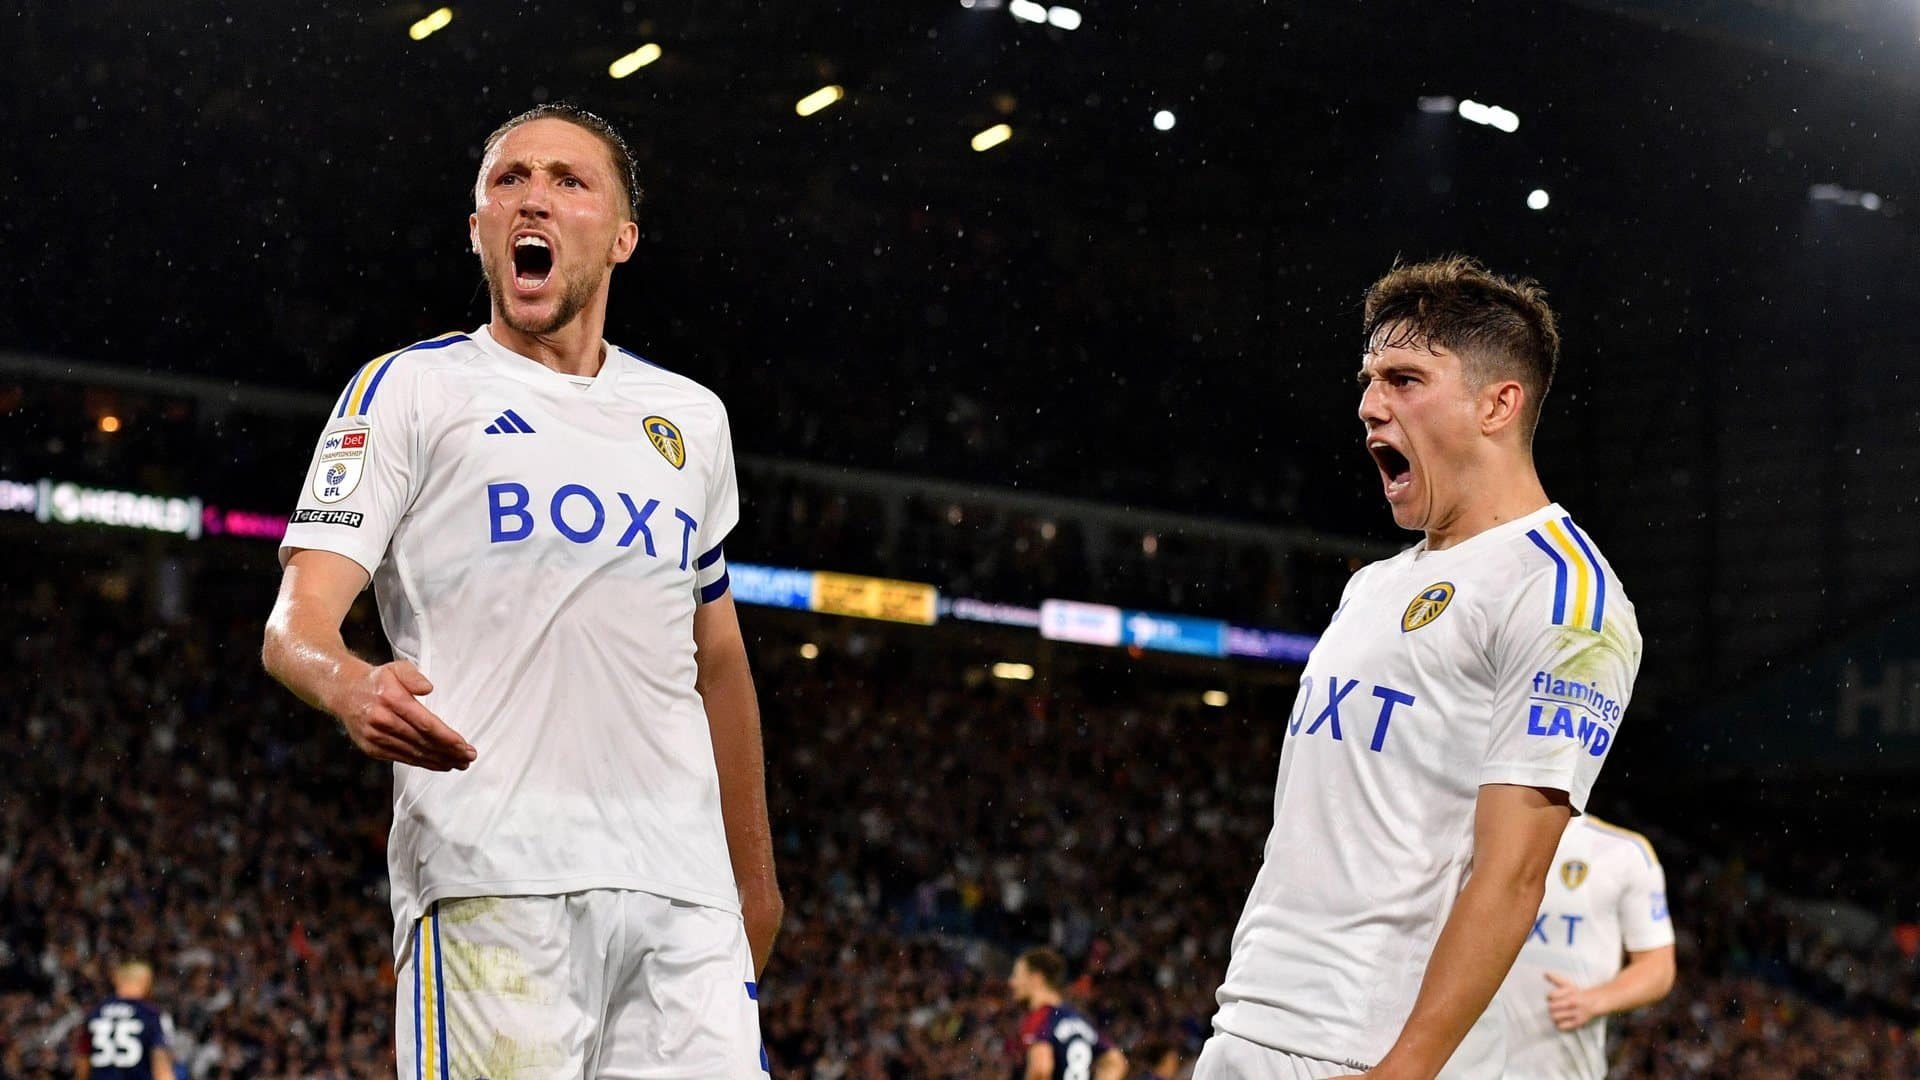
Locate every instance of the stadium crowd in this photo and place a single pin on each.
(978, 547)
(165, 801)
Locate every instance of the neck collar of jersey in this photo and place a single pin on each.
(1493, 536)
(528, 370)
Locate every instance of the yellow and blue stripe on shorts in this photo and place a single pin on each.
(429, 1001)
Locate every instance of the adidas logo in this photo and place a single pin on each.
(509, 423)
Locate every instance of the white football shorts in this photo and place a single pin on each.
(1225, 1056)
(1230, 1057)
(600, 984)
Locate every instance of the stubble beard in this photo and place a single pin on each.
(573, 300)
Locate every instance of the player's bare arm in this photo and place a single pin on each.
(1515, 833)
(1111, 1066)
(1040, 1061)
(725, 683)
(1646, 979)
(162, 1064)
(377, 704)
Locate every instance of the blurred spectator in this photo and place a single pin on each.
(164, 803)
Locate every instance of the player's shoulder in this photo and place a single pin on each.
(124, 1007)
(1629, 846)
(391, 373)
(640, 374)
(1381, 569)
(1553, 558)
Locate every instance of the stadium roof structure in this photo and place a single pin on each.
(1146, 293)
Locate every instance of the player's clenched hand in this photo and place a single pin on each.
(386, 721)
(1568, 1004)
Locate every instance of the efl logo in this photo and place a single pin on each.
(343, 460)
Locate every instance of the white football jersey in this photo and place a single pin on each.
(1606, 894)
(538, 544)
(1505, 659)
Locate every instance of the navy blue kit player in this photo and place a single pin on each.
(1056, 1041)
(124, 1038)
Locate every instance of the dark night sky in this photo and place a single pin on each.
(1099, 308)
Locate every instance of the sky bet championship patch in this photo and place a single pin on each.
(343, 457)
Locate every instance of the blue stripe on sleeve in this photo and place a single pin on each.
(710, 593)
(341, 409)
(1600, 595)
(366, 399)
(1559, 577)
(710, 557)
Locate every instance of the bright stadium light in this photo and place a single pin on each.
(1014, 672)
(109, 423)
(1846, 196)
(428, 25)
(1065, 18)
(1537, 199)
(634, 61)
(809, 651)
(1492, 116)
(992, 137)
(1028, 11)
(818, 100)
(1437, 103)
(1215, 698)
(1163, 120)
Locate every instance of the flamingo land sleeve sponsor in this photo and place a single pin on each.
(1576, 709)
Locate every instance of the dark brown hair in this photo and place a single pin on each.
(594, 124)
(1047, 964)
(1501, 328)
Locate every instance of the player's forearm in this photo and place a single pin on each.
(1642, 982)
(1477, 946)
(733, 714)
(307, 654)
(1111, 1066)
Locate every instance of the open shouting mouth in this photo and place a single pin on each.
(1396, 471)
(532, 262)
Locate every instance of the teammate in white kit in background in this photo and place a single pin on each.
(1606, 894)
(1451, 718)
(582, 869)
